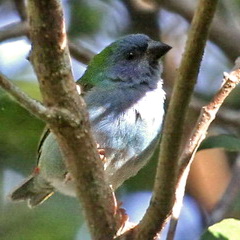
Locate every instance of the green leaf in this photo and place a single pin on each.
(31, 88)
(227, 142)
(228, 229)
(19, 132)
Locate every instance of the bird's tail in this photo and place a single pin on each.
(28, 191)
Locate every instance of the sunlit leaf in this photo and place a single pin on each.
(228, 229)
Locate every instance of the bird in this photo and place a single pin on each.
(124, 96)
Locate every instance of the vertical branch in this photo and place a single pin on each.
(165, 184)
(50, 57)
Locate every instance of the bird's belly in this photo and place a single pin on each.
(126, 139)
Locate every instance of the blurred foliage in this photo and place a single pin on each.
(233, 100)
(138, 182)
(84, 18)
(58, 218)
(20, 131)
(228, 229)
(227, 142)
(235, 212)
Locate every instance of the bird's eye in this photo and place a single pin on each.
(130, 56)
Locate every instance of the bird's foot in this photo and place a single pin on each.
(124, 224)
(36, 171)
(68, 178)
(121, 212)
(101, 152)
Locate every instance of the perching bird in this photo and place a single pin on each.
(124, 98)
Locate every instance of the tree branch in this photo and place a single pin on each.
(51, 50)
(222, 33)
(35, 107)
(21, 29)
(207, 116)
(24, 100)
(80, 53)
(198, 134)
(13, 30)
(50, 58)
(164, 188)
(226, 117)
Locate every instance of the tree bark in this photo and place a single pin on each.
(50, 58)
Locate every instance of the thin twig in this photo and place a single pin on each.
(207, 116)
(205, 119)
(13, 30)
(226, 116)
(83, 55)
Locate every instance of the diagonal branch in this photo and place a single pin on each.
(21, 29)
(35, 107)
(226, 117)
(206, 117)
(23, 99)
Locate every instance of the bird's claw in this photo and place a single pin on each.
(68, 177)
(101, 152)
(124, 224)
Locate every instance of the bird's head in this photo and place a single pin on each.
(127, 62)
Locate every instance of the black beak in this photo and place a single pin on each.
(157, 49)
